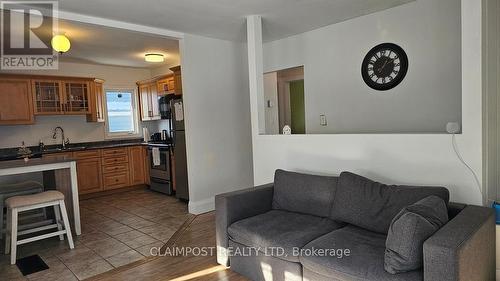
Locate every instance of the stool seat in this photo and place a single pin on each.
(39, 198)
(15, 187)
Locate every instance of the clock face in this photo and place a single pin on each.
(384, 67)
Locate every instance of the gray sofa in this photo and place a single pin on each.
(271, 232)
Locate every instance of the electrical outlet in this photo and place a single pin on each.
(322, 120)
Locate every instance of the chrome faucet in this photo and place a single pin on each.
(64, 141)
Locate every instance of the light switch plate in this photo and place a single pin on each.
(322, 120)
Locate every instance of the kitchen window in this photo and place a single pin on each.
(121, 108)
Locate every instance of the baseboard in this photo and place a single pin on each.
(201, 206)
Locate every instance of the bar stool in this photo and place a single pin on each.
(10, 190)
(22, 203)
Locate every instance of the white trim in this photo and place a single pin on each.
(135, 108)
(201, 206)
(120, 24)
(75, 17)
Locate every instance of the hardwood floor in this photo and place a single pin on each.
(200, 232)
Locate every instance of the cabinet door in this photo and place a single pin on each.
(136, 165)
(96, 102)
(48, 97)
(155, 106)
(100, 102)
(16, 103)
(89, 175)
(145, 101)
(76, 97)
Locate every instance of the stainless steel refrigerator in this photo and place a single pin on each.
(179, 165)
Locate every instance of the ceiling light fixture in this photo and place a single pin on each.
(60, 43)
(154, 57)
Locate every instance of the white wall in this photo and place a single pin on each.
(216, 98)
(75, 127)
(271, 95)
(391, 158)
(427, 99)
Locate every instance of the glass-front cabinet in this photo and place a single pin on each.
(53, 97)
(47, 96)
(76, 97)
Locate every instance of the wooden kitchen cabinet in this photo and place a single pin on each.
(47, 95)
(76, 97)
(16, 102)
(89, 175)
(148, 94)
(115, 168)
(88, 169)
(60, 95)
(177, 80)
(96, 102)
(137, 165)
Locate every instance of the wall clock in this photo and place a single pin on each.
(384, 67)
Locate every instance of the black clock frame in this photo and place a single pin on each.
(403, 70)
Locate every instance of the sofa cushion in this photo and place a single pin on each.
(372, 205)
(303, 193)
(408, 232)
(364, 262)
(278, 228)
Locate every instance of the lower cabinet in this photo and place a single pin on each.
(137, 164)
(115, 168)
(88, 169)
(89, 175)
(109, 168)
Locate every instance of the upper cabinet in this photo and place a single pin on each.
(148, 98)
(150, 90)
(96, 101)
(177, 79)
(58, 96)
(16, 104)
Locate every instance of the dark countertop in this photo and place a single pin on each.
(12, 153)
(34, 162)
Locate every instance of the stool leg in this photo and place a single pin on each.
(58, 220)
(66, 224)
(7, 232)
(13, 243)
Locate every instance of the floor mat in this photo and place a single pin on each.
(31, 264)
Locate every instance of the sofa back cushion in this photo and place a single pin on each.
(373, 205)
(303, 193)
(408, 231)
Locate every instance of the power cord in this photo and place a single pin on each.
(457, 152)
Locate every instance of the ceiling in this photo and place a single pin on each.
(110, 46)
(225, 19)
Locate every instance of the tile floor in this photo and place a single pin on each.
(117, 230)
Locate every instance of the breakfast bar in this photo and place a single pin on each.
(59, 173)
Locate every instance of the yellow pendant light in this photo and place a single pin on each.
(154, 57)
(60, 43)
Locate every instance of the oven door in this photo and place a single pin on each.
(161, 171)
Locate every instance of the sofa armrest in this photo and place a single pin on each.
(235, 206)
(463, 249)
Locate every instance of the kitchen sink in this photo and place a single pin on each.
(60, 149)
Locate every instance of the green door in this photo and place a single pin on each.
(297, 107)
